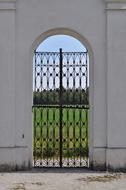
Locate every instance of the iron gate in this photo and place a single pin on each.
(60, 109)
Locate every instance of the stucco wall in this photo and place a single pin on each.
(24, 24)
(116, 111)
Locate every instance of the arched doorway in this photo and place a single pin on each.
(61, 109)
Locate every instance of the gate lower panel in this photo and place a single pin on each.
(47, 137)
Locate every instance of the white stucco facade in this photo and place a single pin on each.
(101, 26)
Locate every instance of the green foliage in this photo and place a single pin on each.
(69, 96)
(46, 128)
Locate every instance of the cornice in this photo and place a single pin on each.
(8, 1)
(116, 5)
(115, 1)
(6, 5)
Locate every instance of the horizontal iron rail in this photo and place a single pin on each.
(57, 106)
(64, 65)
(83, 52)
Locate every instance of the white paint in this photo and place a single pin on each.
(100, 26)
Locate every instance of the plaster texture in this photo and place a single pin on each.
(100, 26)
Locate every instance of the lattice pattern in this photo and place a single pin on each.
(60, 109)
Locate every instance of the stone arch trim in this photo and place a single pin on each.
(65, 31)
(85, 42)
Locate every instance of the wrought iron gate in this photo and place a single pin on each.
(60, 109)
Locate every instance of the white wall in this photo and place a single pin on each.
(116, 51)
(87, 18)
(24, 23)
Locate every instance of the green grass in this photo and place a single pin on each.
(46, 124)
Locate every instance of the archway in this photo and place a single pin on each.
(55, 102)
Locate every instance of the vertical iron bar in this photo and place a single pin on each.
(34, 151)
(41, 111)
(54, 113)
(86, 78)
(34, 136)
(53, 125)
(80, 111)
(74, 136)
(68, 128)
(80, 79)
(47, 111)
(73, 103)
(61, 111)
(80, 134)
(86, 123)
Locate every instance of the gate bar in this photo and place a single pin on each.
(61, 111)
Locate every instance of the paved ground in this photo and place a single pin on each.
(65, 179)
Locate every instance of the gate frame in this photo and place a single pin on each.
(85, 43)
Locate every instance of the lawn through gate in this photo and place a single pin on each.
(46, 133)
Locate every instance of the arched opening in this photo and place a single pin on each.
(60, 103)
